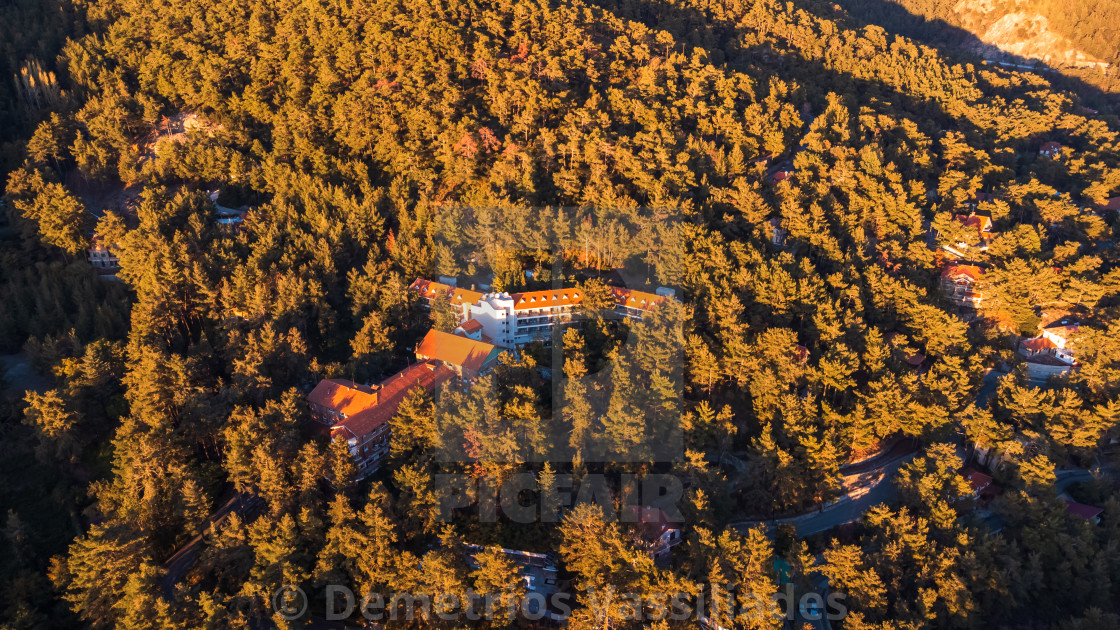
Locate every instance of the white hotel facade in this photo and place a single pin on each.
(514, 319)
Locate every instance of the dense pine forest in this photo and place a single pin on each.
(795, 175)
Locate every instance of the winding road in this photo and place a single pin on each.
(183, 558)
(851, 507)
(881, 469)
(849, 510)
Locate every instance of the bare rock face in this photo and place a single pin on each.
(1012, 31)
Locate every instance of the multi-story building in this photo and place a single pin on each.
(514, 319)
(540, 575)
(1061, 330)
(460, 299)
(360, 414)
(962, 285)
(539, 572)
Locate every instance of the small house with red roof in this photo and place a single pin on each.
(801, 353)
(1087, 512)
(981, 224)
(977, 481)
(652, 529)
(471, 329)
(1052, 150)
(780, 175)
(962, 285)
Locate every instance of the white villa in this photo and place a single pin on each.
(1049, 353)
(514, 319)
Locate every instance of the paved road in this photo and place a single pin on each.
(1069, 477)
(182, 560)
(801, 620)
(883, 492)
(989, 387)
(888, 463)
(898, 450)
(846, 511)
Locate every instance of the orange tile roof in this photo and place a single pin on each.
(538, 299)
(780, 176)
(345, 397)
(457, 296)
(471, 326)
(801, 352)
(1038, 344)
(570, 297)
(981, 223)
(390, 393)
(545, 299)
(1112, 204)
(467, 353)
(636, 299)
(971, 271)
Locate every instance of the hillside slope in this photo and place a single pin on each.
(1018, 30)
(1078, 39)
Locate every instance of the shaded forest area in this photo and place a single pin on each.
(360, 134)
(1091, 27)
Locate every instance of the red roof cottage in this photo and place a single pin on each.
(1087, 512)
(653, 531)
(977, 480)
(981, 224)
(1051, 150)
(961, 284)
